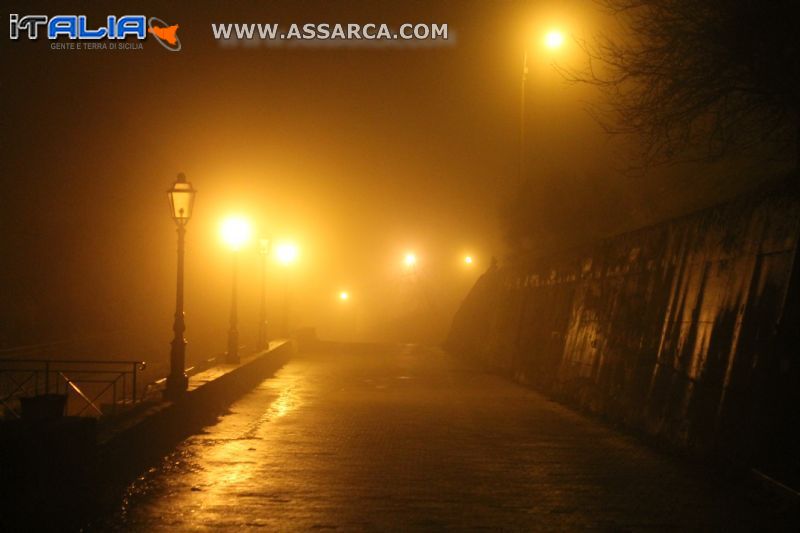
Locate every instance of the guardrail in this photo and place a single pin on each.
(92, 388)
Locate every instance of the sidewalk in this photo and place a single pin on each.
(415, 439)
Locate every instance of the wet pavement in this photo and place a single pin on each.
(413, 439)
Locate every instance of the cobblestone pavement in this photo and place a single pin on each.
(413, 439)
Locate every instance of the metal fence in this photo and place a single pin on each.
(92, 388)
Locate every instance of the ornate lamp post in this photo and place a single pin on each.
(236, 232)
(232, 355)
(287, 253)
(181, 202)
(263, 340)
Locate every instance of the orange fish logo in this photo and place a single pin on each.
(166, 35)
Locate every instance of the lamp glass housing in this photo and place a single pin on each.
(181, 200)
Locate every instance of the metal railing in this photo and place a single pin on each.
(92, 387)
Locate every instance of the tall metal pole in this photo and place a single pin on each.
(262, 324)
(285, 324)
(233, 334)
(522, 96)
(177, 382)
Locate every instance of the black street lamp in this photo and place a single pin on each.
(236, 232)
(181, 202)
(287, 254)
(553, 40)
(232, 355)
(263, 340)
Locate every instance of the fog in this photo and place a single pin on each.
(357, 155)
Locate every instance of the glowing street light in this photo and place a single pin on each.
(468, 260)
(236, 232)
(287, 253)
(410, 260)
(554, 39)
(264, 249)
(344, 296)
(181, 202)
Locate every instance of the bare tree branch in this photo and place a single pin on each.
(698, 79)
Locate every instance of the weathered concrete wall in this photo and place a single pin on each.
(686, 330)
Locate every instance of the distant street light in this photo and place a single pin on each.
(236, 232)
(468, 260)
(553, 39)
(181, 202)
(286, 253)
(410, 260)
(263, 340)
(349, 315)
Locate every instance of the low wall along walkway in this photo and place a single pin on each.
(59, 474)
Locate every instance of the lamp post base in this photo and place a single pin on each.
(232, 355)
(176, 387)
(263, 340)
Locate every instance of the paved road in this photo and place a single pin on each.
(413, 439)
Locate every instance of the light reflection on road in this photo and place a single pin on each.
(228, 463)
(203, 473)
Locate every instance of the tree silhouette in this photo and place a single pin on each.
(699, 79)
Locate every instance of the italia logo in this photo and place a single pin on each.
(76, 27)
